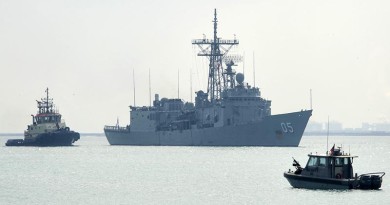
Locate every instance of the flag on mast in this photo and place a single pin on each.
(332, 150)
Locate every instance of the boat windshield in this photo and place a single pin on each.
(317, 161)
(322, 161)
(313, 161)
(339, 161)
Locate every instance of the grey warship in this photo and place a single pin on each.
(47, 128)
(230, 113)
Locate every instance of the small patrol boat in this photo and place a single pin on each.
(331, 171)
(47, 128)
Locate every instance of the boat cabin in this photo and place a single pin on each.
(334, 165)
(47, 118)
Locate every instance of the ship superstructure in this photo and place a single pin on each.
(230, 113)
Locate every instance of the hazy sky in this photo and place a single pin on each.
(85, 52)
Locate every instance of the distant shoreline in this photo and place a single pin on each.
(21, 134)
(348, 133)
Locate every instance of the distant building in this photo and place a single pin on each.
(382, 127)
(335, 126)
(366, 126)
(314, 127)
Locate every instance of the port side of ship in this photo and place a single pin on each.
(275, 130)
(230, 113)
(241, 118)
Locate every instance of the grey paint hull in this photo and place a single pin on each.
(271, 131)
(59, 138)
(307, 182)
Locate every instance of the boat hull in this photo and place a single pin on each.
(307, 182)
(60, 138)
(271, 131)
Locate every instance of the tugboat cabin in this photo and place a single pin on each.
(335, 165)
(47, 118)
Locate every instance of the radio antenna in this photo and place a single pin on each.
(311, 101)
(254, 71)
(134, 86)
(243, 64)
(150, 91)
(327, 137)
(190, 84)
(178, 84)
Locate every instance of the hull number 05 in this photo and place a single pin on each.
(287, 127)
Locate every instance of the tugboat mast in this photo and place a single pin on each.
(46, 104)
(47, 100)
(216, 54)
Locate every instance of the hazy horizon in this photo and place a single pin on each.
(85, 53)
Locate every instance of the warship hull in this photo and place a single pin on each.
(274, 130)
(61, 138)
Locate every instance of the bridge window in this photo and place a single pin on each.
(339, 161)
(322, 161)
(313, 161)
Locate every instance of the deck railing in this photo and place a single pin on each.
(116, 128)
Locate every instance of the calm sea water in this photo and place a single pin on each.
(93, 172)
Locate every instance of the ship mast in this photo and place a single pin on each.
(47, 100)
(48, 108)
(46, 104)
(216, 52)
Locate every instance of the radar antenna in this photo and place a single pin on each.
(229, 73)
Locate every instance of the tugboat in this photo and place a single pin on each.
(46, 129)
(331, 171)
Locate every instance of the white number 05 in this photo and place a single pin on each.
(287, 127)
